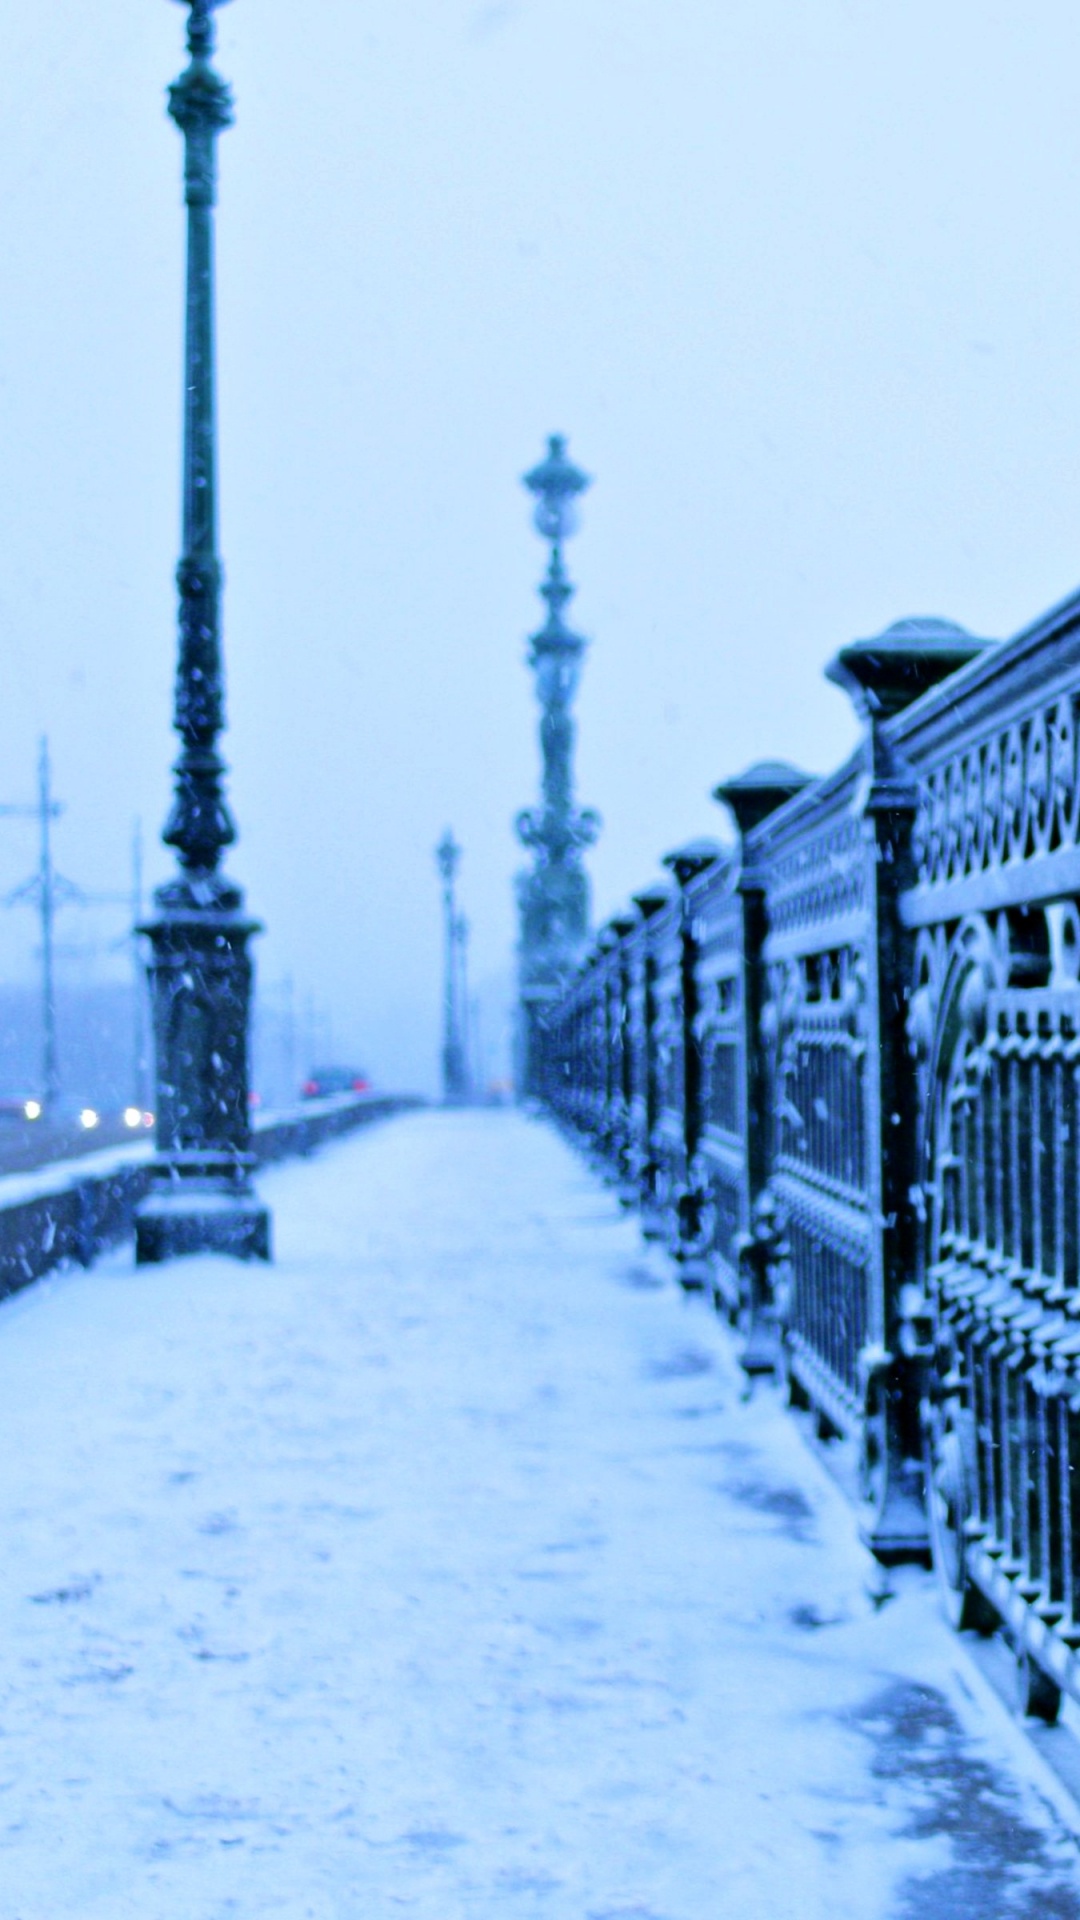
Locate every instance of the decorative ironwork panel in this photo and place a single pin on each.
(1008, 796)
(818, 880)
(816, 861)
(821, 1072)
(994, 1022)
(827, 1314)
(723, 1078)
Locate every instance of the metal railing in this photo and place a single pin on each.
(852, 1108)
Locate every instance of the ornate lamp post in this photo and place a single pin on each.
(454, 1062)
(464, 1023)
(202, 1199)
(553, 897)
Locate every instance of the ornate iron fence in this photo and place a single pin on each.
(994, 1024)
(838, 1070)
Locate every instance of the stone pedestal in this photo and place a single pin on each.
(202, 1200)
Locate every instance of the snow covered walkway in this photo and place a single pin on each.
(441, 1570)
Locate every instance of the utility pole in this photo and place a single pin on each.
(47, 895)
(45, 890)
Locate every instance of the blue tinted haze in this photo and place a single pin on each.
(802, 284)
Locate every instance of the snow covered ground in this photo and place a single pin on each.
(440, 1569)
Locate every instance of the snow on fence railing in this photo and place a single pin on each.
(73, 1211)
(837, 1069)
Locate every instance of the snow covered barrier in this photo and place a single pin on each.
(74, 1210)
(307, 1125)
(837, 1069)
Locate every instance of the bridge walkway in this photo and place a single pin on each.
(441, 1570)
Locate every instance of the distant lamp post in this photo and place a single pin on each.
(464, 1023)
(455, 932)
(553, 896)
(201, 1198)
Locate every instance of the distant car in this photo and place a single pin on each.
(68, 1110)
(13, 1109)
(324, 1080)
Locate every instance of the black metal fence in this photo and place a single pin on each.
(838, 1071)
(72, 1212)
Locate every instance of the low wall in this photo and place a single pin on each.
(71, 1212)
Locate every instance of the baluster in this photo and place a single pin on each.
(838, 1144)
(978, 1123)
(965, 1182)
(973, 1375)
(828, 1306)
(1043, 1523)
(811, 1317)
(1005, 1517)
(807, 1271)
(1023, 1480)
(1034, 1260)
(843, 1071)
(1070, 1501)
(1071, 1153)
(1016, 1249)
(1059, 1170)
(987, 1432)
(995, 1152)
(1059, 1543)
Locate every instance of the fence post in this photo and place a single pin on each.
(750, 798)
(686, 863)
(883, 676)
(622, 926)
(643, 1012)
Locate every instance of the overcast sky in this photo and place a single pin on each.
(801, 284)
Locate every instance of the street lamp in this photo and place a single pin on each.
(201, 1198)
(461, 977)
(553, 896)
(455, 933)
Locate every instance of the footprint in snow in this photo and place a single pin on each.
(686, 1364)
(219, 1523)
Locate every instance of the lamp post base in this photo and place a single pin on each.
(201, 1197)
(193, 1218)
